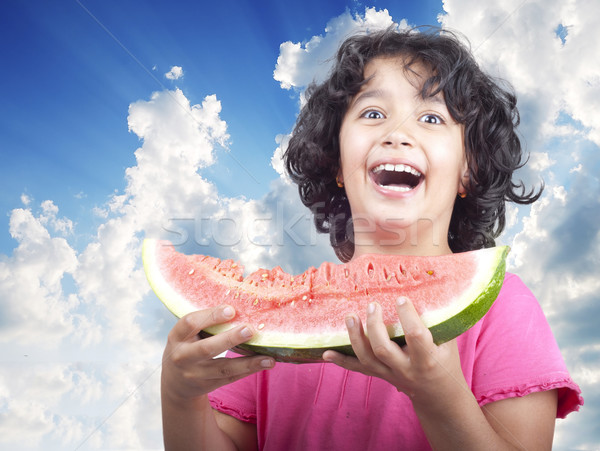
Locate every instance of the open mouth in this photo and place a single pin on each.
(396, 177)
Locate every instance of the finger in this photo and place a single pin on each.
(358, 339)
(361, 344)
(419, 340)
(191, 324)
(211, 347)
(384, 349)
(218, 372)
(345, 361)
(231, 369)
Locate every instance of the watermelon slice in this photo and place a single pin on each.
(299, 317)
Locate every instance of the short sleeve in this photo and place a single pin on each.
(237, 399)
(516, 353)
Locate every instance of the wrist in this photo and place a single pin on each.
(181, 399)
(173, 402)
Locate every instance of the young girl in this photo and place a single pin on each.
(407, 148)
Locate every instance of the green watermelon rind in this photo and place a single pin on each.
(486, 288)
(441, 333)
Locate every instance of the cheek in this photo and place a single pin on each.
(349, 161)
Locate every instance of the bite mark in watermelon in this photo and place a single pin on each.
(299, 317)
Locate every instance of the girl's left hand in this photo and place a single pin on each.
(421, 369)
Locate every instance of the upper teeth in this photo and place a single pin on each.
(396, 167)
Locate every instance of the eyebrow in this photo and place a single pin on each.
(381, 93)
(438, 98)
(370, 93)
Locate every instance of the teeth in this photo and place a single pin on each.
(402, 189)
(397, 168)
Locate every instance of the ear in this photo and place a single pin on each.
(340, 175)
(339, 180)
(464, 181)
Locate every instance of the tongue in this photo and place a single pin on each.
(401, 180)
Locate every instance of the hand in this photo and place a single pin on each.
(189, 367)
(421, 369)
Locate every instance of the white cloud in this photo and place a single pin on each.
(299, 64)
(556, 242)
(107, 281)
(49, 216)
(178, 140)
(277, 158)
(31, 395)
(175, 73)
(25, 199)
(540, 161)
(31, 294)
(577, 168)
(518, 41)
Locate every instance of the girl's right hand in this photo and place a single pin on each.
(189, 367)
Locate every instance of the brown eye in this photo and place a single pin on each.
(431, 119)
(372, 114)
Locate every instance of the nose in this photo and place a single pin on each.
(399, 136)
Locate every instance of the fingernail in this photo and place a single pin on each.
(349, 322)
(266, 363)
(246, 332)
(228, 312)
(371, 308)
(401, 301)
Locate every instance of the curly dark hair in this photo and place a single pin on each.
(486, 109)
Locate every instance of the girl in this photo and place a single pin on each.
(407, 148)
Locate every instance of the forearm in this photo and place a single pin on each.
(457, 422)
(191, 425)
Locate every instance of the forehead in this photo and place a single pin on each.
(414, 71)
(380, 72)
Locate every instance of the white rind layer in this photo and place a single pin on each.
(172, 299)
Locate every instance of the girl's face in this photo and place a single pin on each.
(402, 163)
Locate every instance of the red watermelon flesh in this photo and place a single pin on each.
(308, 310)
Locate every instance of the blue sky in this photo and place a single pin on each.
(100, 148)
(73, 68)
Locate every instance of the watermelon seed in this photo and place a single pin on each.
(191, 271)
(227, 292)
(346, 272)
(390, 277)
(261, 326)
(430, 273)
(255, 302)
(304, 298)
(370, 269)
(293, 303)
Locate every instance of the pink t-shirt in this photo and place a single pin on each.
(510, 352)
